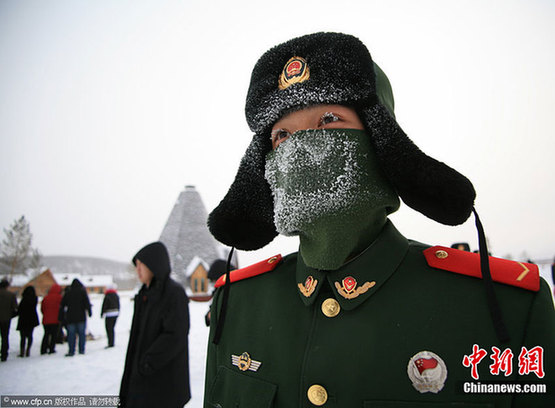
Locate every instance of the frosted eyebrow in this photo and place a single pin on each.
(330, 115)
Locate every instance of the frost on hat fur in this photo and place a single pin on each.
(341, 72)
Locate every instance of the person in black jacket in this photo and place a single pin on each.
(157, 363)
(28, 320)
(110, 309)
(74, 307)
(8, 310)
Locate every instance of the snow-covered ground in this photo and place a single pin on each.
(99, 370)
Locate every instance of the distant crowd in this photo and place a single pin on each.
(64, 317)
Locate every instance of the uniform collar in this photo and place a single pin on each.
(361, 277)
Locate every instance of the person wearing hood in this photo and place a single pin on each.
(50, 307)
(8, 310)
(156, 372)
(75, 307)
(360, 316)
(110, 309)
(28, 320)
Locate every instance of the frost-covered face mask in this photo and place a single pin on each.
(328, 189)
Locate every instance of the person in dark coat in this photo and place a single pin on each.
(157, 363)
(75, 306)
(28, 320)
(8, 310)
(110, 309)
(50, 307)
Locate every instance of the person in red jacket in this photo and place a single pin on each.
(50, 307)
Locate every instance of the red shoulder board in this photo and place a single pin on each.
(521, 274)
(250, 271)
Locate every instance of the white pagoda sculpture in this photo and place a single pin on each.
(191, 247)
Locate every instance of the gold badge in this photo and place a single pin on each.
(295, 71)
(308, 287)
(348, 287)
(441, 254)
(244, 362)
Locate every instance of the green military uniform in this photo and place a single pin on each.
(358, 350)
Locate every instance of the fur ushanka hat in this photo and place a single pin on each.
(330, 68)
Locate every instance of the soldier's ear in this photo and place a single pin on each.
(244, 219)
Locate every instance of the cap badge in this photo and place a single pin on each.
(308, 287)
(348, 287)
(244, 362)
(427, 371)
(295, 71)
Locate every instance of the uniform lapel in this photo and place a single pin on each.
(361, 277)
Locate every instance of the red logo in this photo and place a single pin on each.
(349, 284)
(294, 68)
(425, 364)
(529, 361)
(308, 282)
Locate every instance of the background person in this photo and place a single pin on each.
(110, 309)
(8, 310)
(50, 307)
(28, 320)
(74, 307)
(156, 372)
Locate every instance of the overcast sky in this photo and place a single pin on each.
(109, 108)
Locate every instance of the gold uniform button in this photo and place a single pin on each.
(441, 254)
(317, 395)
(330, 307)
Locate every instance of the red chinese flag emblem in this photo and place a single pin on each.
(425, 364)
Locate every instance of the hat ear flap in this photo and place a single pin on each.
(423, 183)
(244, 219)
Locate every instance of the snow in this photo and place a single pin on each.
(340, 177)
(99, 370)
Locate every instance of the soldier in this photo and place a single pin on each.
(360, 316)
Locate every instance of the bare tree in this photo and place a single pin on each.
(16, 247)
(36, 261)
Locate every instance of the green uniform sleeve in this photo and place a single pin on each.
(211, 360)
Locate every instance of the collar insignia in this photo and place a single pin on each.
(295, 71)
(427, 371)
(244, 362)
(348, 287)
(309, 285)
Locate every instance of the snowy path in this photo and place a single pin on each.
(99, 370)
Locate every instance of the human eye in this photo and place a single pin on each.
(278, 136)
(327, 118)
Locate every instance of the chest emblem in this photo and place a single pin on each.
(308, 287)
(244, 362)
(348, 287)
(295, 71)
(427, 371)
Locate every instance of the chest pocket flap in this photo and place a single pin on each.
(233, 389)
